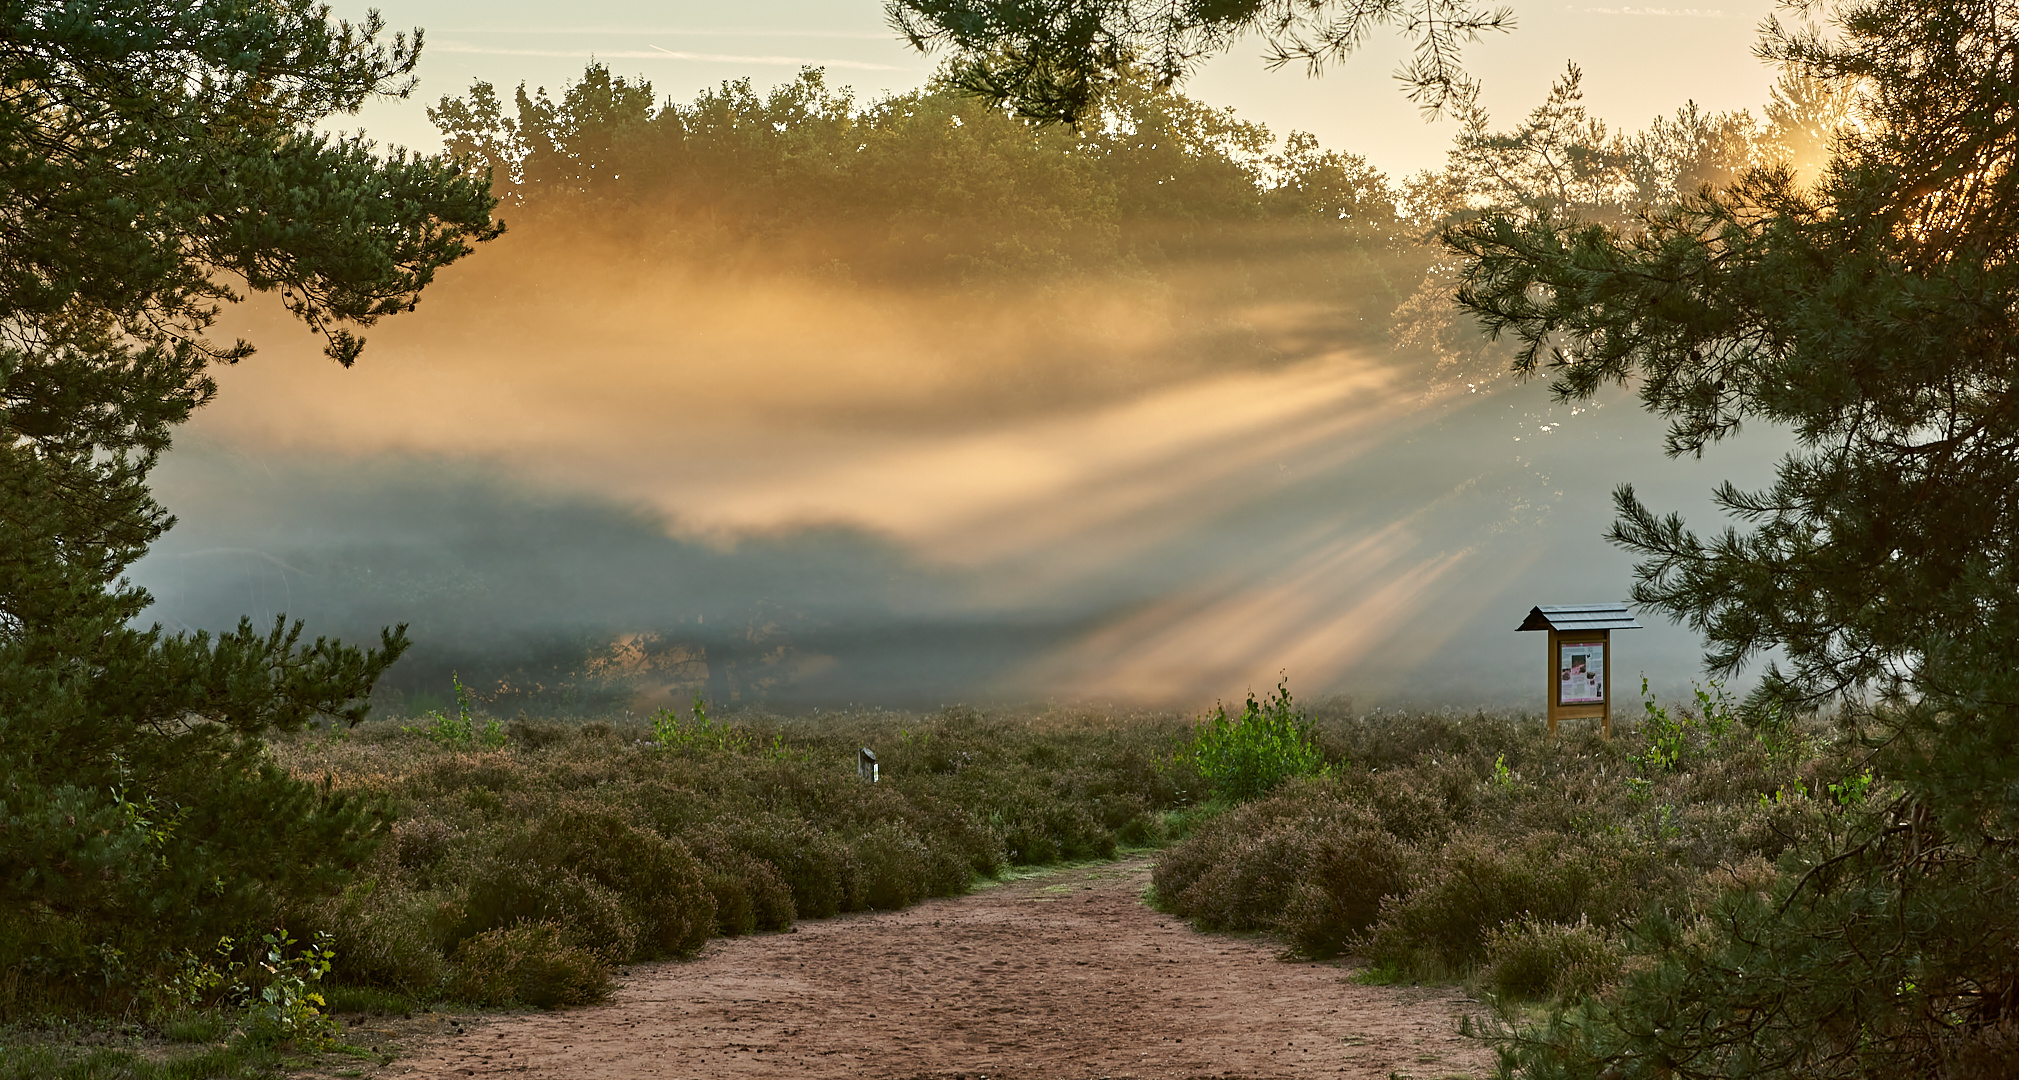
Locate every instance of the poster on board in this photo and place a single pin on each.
(1580, 673)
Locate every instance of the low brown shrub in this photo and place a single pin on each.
(385, 935)
(749, 893)
(1353, 871)
(655, 879)
(817, 866)
(1479, 881)
(421, 843)
(1532, 958)
(508, 892)
(533, 963)
(1309, 861)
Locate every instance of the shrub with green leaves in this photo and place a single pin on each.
(1242, 757)
(288, 1007)
(636, 841)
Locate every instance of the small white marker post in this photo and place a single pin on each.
(865, 764)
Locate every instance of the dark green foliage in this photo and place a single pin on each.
(1239, 873)
(220, 1063)
(1352, 871)
(655, 878)
(1533, 958)
(151, 154)
(386, 935)
(750, 895)
(1481, 882)
(1058, 60)
(928, 188)
(1488, 852)
(506, 893)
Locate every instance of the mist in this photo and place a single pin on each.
(595, 472)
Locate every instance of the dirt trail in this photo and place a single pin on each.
(1068, 975)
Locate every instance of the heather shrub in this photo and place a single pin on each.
(818, 866)
(1479, 882)
(533, 963)
(1353, 870)
(509, 892)
(1533, 958)
(749, 893)
(895, 868)
(1050, 832)
(655, 879)
(385, 935)
(539, 734)
(1240, 871)
(1446, 844)
(1405, 803)
(421, 843)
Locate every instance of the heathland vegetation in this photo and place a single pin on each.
(199, 832)
(519, 863)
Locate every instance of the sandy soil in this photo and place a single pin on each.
(1067, 975)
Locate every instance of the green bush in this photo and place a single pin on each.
(817, 866)
(1270, 742)
(655, 879)
(385, 935)
(750, 893)
(286, 1006)
(1446, 834)
(532, 963)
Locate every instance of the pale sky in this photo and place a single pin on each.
(1638, 62)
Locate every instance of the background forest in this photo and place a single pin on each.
(936, 268)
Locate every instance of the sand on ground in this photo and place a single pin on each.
(1068, 975)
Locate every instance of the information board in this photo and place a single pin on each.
(1580, 674)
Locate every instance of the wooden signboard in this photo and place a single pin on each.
(1580, 659)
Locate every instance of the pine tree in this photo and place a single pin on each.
(1060, 61)
(157, 160)
(1875, 315)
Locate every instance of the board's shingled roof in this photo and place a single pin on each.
(1579, 617)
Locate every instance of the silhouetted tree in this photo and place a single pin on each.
(156, 155)
(1875, 315)
(1060, 60)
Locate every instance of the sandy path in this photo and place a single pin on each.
(1068, 975)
